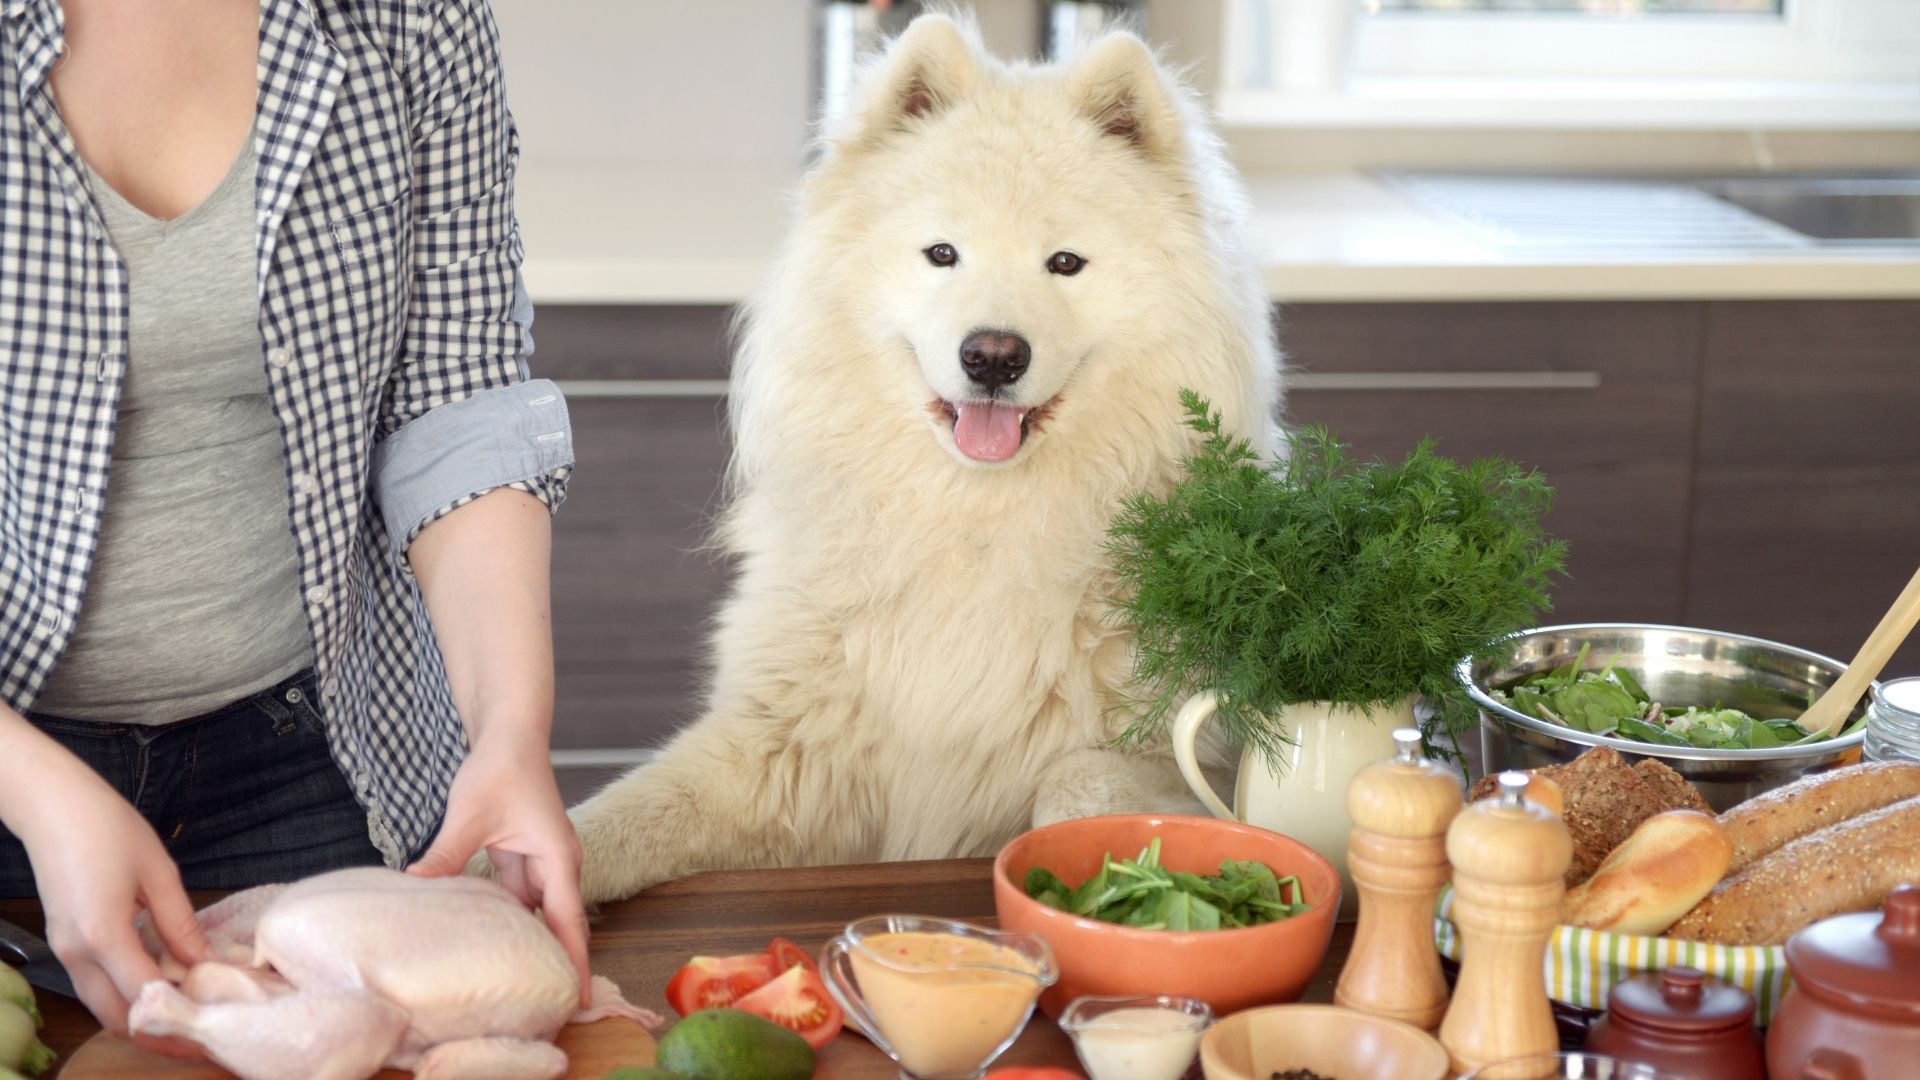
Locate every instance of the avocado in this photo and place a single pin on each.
(727, 1044)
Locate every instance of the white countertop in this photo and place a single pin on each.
(629, 235)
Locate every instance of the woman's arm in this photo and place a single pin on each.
(461, 418)
(97, 865)
(483, 569)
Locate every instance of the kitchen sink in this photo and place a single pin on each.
(1626, 215)
(1842, 209)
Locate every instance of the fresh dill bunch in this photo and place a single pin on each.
(1319, 578)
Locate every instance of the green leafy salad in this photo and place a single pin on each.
(1141, 893)
(1612, 702)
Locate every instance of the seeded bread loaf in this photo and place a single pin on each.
(1672, 789)
(1769, 821)
(1850, 866)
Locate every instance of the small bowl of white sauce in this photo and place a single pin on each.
(1136, 1038)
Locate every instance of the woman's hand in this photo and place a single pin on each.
(504, 800)
(97, 865)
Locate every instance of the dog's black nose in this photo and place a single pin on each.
(995, 358)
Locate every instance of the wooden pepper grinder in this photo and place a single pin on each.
(1510, 861)
(1397, 853)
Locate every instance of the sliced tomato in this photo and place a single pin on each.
(786, 954)
(715, 982)
(799, 1002)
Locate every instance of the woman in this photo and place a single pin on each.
(274, 483)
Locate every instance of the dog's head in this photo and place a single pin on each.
(1009, 230)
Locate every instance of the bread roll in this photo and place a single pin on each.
(1851, 866)
(1543, 791)
(1767, 822)
(1654, 877)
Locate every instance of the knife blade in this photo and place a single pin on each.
(35, 960)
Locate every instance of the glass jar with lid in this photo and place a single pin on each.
(1893, 721)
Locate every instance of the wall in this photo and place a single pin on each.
(702, 82)
(658, 82)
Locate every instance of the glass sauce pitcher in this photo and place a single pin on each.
(941, 998)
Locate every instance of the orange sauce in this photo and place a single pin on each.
(939, 1002)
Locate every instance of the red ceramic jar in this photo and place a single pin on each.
(1853, 1010)
(1683, 1023)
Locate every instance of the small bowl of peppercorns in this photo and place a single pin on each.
(1319, 1042)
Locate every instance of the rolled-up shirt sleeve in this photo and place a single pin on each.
(460, 416)
(514, 436)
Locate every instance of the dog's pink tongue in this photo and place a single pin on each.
(988, 432)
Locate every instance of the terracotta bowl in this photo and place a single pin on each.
(1228, 969)
(1327, 1039)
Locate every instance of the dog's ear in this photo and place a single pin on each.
(1117, 84)
(928, 68)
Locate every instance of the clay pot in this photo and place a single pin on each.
(1853, 1010)
(1682, 1022)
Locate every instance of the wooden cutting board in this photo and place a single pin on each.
(593, 1050)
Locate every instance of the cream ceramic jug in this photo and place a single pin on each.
(1307, 798)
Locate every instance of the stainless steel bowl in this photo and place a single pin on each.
(1677, 665)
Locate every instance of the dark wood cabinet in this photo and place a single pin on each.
(1613, 435)
(634, 585)
(1752, 467)
(667, 342)
(1806, 495)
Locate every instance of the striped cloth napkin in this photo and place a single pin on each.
(1582, 965)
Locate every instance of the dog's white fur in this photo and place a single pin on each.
(918, 658)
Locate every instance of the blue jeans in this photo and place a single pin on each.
(244, 795)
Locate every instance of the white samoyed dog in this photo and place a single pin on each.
(968, 355)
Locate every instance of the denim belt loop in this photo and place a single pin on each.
(278, 710)
(288, 704)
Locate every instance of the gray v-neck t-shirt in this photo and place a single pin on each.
(193, 601)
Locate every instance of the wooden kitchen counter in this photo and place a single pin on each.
(640, 942)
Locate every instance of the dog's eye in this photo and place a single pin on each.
(1065, 263)
(942, 255)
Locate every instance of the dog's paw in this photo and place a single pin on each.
(1090, 783)
(1088, 797)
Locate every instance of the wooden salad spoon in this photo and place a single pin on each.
(1829, 713)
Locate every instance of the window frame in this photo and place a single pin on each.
(1824, 65)
(1832, 41)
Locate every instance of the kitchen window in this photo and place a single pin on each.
(1589, 7)
(1622, 63)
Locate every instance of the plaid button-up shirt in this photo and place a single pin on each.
(393, 331)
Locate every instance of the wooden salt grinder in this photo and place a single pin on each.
(1510, 861)
(1397, 853)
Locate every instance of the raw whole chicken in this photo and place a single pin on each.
(334, 977)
